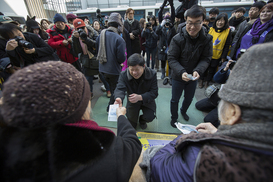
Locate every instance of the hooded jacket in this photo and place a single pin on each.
(55, 40)
(186, 56)
(80, 151)
(43, 52)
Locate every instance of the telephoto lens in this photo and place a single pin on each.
(23, 43)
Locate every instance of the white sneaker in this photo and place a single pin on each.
(103, 88)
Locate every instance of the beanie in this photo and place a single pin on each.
(43, 94)
(78, 23)
(32, 24)
(258, 4)
(58, 17)
(115, 17)
(250, 84)
(71, 16)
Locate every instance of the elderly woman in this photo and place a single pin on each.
(49, 134)
(261, 31)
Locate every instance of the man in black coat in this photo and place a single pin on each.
(134, 30)
(140, 83)
(28, 50)
(189, 56)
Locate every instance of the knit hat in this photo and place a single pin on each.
(250, 84)
(258, 4)
(58, 17)
(43, 94)
(78, 23)
(71, 16)
(115, 17)
(32, 24)
(5, 19)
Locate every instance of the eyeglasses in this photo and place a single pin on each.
(194, 24)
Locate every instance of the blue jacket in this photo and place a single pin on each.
(221, 76)
(167, 164)
(115, 52)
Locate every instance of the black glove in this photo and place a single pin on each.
(171, 2)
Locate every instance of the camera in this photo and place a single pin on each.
(232, 65)
(82, 33)
(168, 23)
(148, 24)
(23, 43)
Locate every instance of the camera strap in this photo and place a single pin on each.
(22, 62)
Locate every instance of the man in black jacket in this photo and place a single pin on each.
(140, 83)
(21, 56)
(189, 56)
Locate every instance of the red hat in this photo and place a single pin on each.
(78, 23)
(71, 16)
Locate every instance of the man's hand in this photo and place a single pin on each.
(76, 34)
(118, 101)
(196, 75)
(121, 111)
(11, 45)
(29, 51)
(206, 128)
(69, 40)
(133, 98)
(132, 36)
(185, 77)
(65, 42)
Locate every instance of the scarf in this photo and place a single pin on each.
(258, 28)
(102, 51)
(85, 50)
(234, 22)
(131, 21)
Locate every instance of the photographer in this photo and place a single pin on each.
(151, 39)
(166, 31)
(84, 43)
(24, 48)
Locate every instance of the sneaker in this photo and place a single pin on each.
(108, 94)
(172, 123)
(143, 126)
(165, 81)
(103, 88)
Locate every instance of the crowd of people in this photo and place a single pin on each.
(47, 73)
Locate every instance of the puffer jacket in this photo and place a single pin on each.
(186, 56)
(151, 37)
(55, 40)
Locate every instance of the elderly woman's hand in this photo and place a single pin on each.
(121, 111)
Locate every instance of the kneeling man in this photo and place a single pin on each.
(140, 83)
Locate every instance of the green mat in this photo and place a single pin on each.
(161, 123)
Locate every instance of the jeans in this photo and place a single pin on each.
(148, 55)
(177, 89)
(90, 81)
(104, 82)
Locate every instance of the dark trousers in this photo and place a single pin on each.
(177, 89)
(112, 80)
(207, 106)
(211, 70)
(104, 82)
(133, 113)
(90, 81)
(148, 55)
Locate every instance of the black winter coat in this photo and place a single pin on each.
(146, 87)
(43, 52)
(151, 37)
(136, 30)
(3, 52)
(186, 56)
(69, 153)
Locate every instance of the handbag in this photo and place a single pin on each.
(92, 63)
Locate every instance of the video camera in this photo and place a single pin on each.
(23, 43)
(82, 33)
(100, 16)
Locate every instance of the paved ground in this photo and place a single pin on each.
(199, 93)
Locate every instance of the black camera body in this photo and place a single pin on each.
(148, 24)
(168, 23)
(23, 43)
(82, 33)
(231, 65)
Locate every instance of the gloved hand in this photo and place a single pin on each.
(163, 23)
(171, 2)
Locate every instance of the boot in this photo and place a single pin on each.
(200, 85)
(206, 84)
(163, 73)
